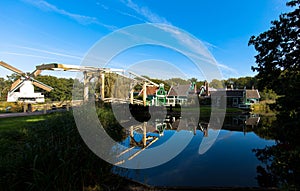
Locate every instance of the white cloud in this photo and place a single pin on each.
(130, 15)
(27, 55)
(197, 47)
(50, 52)
(225, 67)
(145, 12)
(82, 19)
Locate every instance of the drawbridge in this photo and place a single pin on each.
(90, 73)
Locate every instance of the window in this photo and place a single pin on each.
(235, 101)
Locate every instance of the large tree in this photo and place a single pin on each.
(62, 87)
(278, 69)
(278, 58)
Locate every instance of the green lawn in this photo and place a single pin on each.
(17, 123)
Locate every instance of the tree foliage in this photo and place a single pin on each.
(62, 87)
(215, 83)
(241, 83)
(278, 58)
(177, 81)
(278, 69)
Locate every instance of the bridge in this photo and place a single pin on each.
(90, 73)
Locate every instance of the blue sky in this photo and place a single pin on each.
(44, 31)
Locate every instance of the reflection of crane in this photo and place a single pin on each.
(25, 83)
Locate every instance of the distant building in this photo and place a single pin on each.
(240, 98)
(155, 95)
(179, 94)
(151, 94)
(161, 96)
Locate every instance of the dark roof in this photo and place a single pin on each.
(252, 94)
(234, 93)
(179, 90)
(229, 93)
(151, 90)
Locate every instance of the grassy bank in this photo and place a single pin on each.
(263, 107)
(47, 153)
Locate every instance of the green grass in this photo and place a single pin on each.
(46, 152)
(17, 123)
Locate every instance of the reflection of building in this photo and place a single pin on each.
(240, 122)
(252, 121)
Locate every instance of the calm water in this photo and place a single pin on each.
(229, 162)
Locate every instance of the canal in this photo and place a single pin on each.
(230, 161)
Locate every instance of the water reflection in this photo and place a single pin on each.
(280, 162)
(229, 162)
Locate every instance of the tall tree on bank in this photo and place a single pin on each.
(278, 69)
(278, 59)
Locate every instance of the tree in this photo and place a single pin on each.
(241, 82)
(62, 87)
(278, 69)
(193, 80)
(216, 84)
(278, 59)
(177, 81)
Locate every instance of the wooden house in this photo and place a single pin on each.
(161, 96)
(179, 94)
(155, 95)
(240, 98)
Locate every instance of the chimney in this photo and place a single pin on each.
(206, 87)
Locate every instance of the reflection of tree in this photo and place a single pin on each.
(265, 127)
(281, 161)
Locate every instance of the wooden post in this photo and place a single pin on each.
(144, 134)
(45, 108)
(131, 131)
(102, 86)
(86, 87)
(131, 96)
(131, 138)
(24, 107)
(145, 93)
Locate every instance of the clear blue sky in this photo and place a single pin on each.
(43, 31)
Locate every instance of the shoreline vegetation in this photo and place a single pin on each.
(46, 152)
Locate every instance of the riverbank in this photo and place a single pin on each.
(46, 152)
